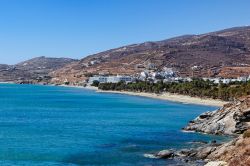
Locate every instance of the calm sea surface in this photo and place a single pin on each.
(57, 126)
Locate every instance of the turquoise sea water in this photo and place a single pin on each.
(45, 125)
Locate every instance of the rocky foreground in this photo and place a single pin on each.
(232, 119)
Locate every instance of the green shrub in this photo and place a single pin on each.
(95, 83)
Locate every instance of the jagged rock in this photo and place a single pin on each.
(203, 152)
(165, 154)
(205, 115)
(198, 142)
(233, 118)
(186, 153)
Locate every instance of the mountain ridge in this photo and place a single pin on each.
(32, 70)
(223, 53)
(211, 52)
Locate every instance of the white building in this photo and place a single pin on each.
(242, 79)
(100, 79)
(144, 74)
(110, 79)
(248, 78)
(226, 81)
(167, 72)
(116, 79)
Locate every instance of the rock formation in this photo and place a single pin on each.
(232, 119)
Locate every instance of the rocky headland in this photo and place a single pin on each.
(232, 119)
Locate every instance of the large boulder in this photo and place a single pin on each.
(165, 154)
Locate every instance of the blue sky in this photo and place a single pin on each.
(77, 28)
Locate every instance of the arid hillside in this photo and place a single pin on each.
(192, 55)
(33, 70)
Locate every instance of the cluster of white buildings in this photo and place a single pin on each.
(167, 75)
(111, 79)
(154, 78)
(154, 75)
(228, 80)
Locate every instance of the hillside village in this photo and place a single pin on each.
(166, 75)
(221, 56)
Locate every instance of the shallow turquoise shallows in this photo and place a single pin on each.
(54, 126)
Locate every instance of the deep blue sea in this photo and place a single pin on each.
(58, 126)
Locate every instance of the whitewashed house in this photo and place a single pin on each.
(144, 75)
(116, 79)
(100, 79)
(110, 79)
(242, 79)
(226, 81)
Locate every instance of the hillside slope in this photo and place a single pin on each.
(214, 54)
(33, 70)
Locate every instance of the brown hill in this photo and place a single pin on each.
(36, 69)
(210, 53)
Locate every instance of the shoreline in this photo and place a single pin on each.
(184, 99)
(172, 97)
(164, 96)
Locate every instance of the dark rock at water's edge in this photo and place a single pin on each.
(185, 156)
(198, 142)
(233, 153)
(191, 154)
(232, 119)
(165, 154)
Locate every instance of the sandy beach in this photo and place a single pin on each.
(164, 96)
(173, 97)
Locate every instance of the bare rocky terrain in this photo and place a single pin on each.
(223, 53)
(32, 71)
(233, 120)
